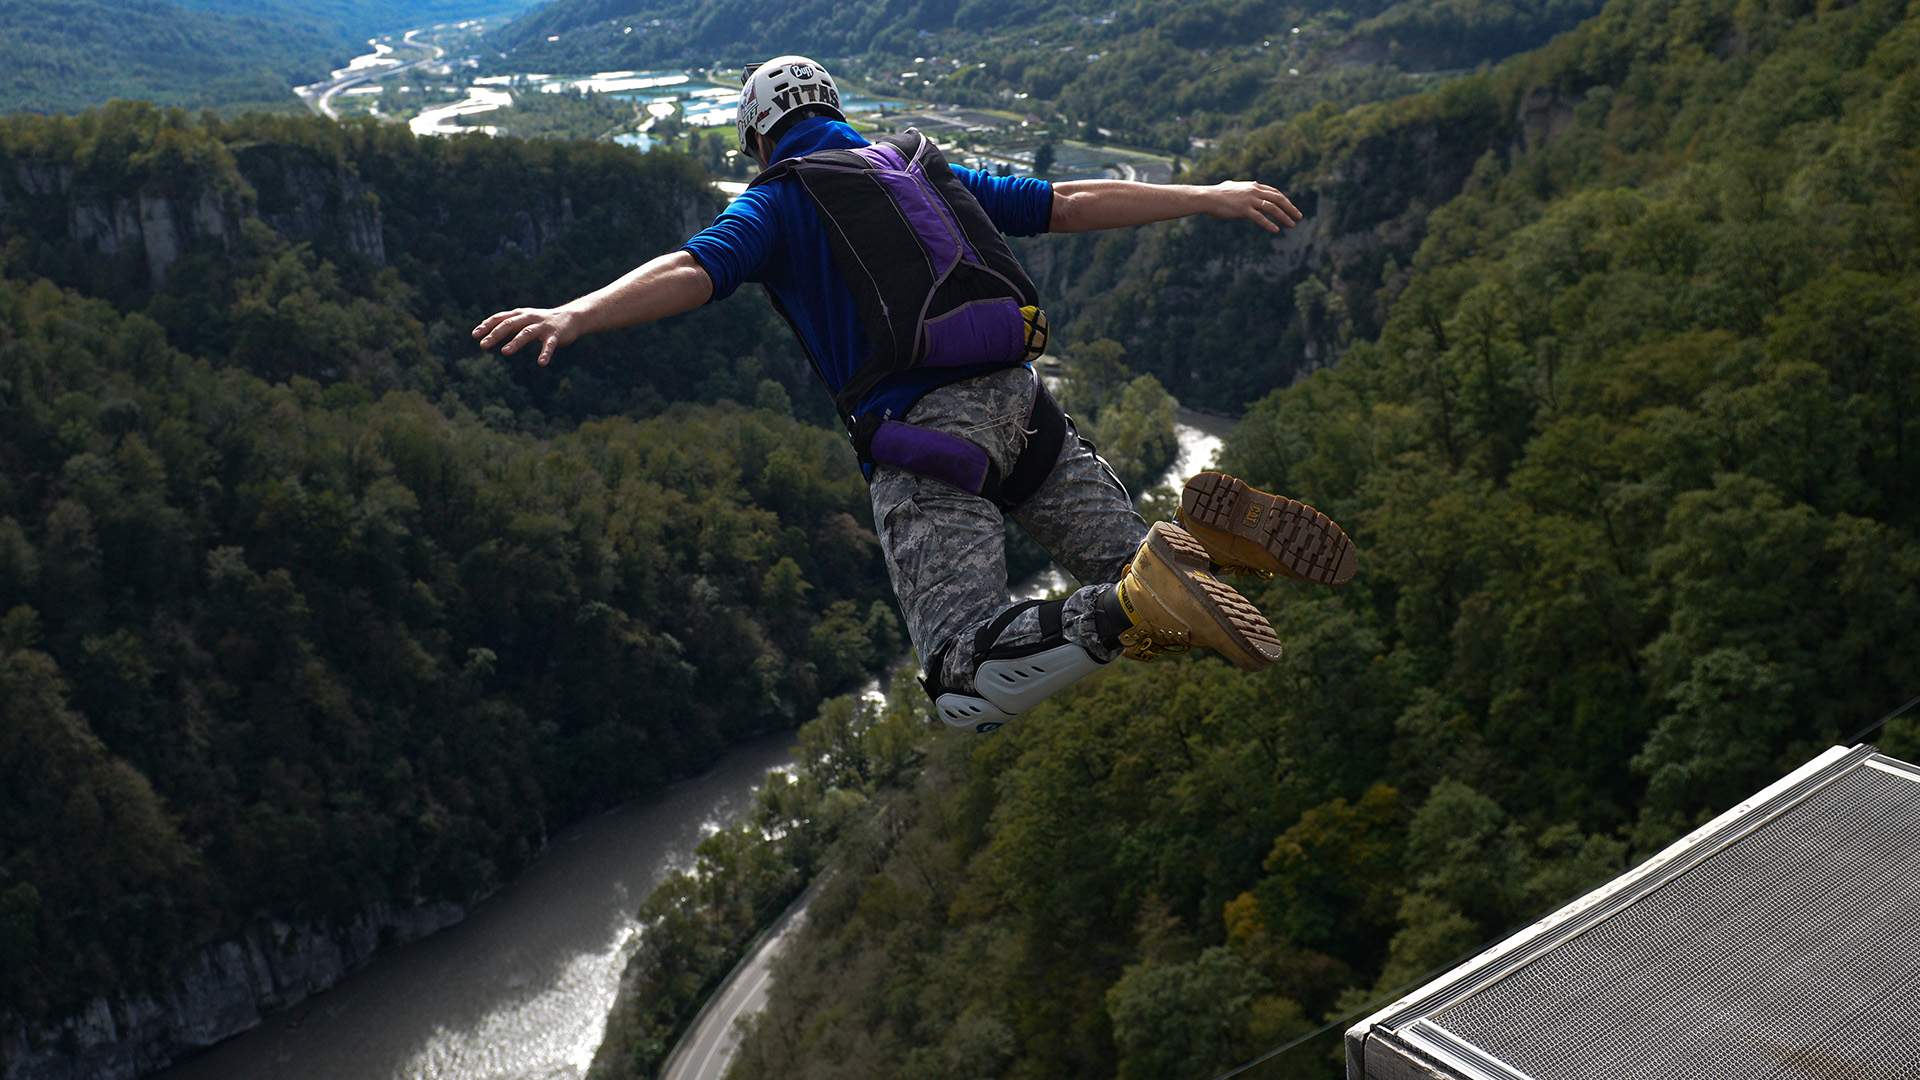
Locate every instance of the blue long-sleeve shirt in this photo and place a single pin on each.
(772, 235)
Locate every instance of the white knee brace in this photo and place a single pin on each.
(1010, 680)
(969, 713)
(1006, 687)
(1018, 684)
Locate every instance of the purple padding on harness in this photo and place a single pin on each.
(883, 155)
(977, 332)
(949, 459)
(910, 195)
(925, 211)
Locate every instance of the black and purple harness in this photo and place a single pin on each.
(936, 286)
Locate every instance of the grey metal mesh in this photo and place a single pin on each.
(1794, 953)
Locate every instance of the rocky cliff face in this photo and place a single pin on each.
(124, 243)
(222, 990)
(148, 230)
(310, 200)
(145, 232)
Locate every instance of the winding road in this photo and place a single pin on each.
(320, 96)
(708, 1047)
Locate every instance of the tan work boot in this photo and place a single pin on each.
(1175, 603)
(1247, 530)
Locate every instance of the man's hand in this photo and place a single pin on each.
(551, 327)
(1265, 206)
(663, 286)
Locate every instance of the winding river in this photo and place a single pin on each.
(521, 989)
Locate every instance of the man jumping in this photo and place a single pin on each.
(893, 269)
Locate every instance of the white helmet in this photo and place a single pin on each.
(779, 86)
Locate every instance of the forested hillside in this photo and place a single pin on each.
(66, 56)
(1628, 445)
(1153, 73)
(1222, 318)
(362, 19)
(305, 604)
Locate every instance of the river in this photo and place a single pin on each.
(521, 989)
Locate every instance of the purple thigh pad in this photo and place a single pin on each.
(937, 455)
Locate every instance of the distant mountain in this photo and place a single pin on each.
(65, 55)
(361, 19)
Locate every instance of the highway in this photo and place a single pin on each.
(320, 95)
(707, 1048)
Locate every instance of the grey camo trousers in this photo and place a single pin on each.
(946, 549)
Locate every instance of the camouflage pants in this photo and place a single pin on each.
(946, 548)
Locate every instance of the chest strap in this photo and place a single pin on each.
(960, 462)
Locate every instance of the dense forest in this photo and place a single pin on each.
(307, 605)
(1147, 72)
(78, 53)
(1629, 449)
(1188, 298)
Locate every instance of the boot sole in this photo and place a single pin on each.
(1294, 538)
(1256, 645)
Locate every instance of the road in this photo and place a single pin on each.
(320, 95)
(708, 1047)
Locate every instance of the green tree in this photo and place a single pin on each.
(1170, 1019)
(1044, 156)
(1136, 434)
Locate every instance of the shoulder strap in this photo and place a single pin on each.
(909, 143)
(786, 166)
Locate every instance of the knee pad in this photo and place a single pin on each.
(1018, 683)
(1010, 680)
(966, 712)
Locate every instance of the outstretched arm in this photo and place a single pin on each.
(1084, 205)
(660, 287)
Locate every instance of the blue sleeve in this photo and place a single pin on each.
(1018, 205)
(735, 247)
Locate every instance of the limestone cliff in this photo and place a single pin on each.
(218, 992)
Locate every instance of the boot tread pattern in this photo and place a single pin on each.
(1246, 621)
(1235, 613)
(1183, 546)
(1302, 541)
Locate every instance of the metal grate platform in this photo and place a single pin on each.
(1781, 940)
